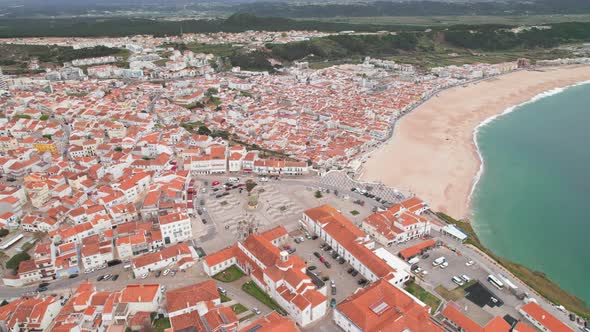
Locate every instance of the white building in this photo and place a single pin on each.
(175, 227)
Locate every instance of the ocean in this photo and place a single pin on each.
(532, 201)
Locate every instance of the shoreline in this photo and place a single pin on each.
(434, 147)
(491, 119)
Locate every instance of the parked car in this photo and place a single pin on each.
(350, 270)
(221, 290)
(99, 278)
(323, 245)
(307, 235)
(425, 255)
(256, 311)
(166, 272)
(469, 263)
(333, 291)
(362, 281)
(311, 268)
(43, 284)
(286, 247)
(145, 275)
(292, 250)
(444, 264)
(335, 255)
(315, 237)
(72, 276)
(158, 274)
(328, 248)
(333, 302)
(115, 277)
(41, 289)
(458, 281)
(354, 273)
(317, 254)
(327, 264)
(107, 277)
(465, 278)
(341, 260)
(322, 259)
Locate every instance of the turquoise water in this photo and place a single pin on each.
(532, 203)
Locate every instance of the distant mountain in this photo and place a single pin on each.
(294, 9)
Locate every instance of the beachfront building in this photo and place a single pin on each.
(400, 223)
(453, 316)
(351, 243)
(280, 275)
(384, 307)
(542, 319)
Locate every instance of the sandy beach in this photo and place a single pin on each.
(432, 153)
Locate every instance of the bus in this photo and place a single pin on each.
(495, 281)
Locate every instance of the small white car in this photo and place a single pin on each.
(222, 290)
(469, 263)
(458, 281)
(256, 311)
(465, 278)
(165, 273)
(444, 264)
(143, 276)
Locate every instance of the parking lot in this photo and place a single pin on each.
(476, 299)
(345, 283)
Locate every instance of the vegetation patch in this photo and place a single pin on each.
(230, 274)
(251, 288)
(450, 294)
(13, 262)
(424, 296)
(355, 212)
(536, 280)
(239, 308)
(224, 298)
(161, 324)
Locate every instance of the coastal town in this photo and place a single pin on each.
(166, 194)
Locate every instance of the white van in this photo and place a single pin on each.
(439, 261)
(234, 180)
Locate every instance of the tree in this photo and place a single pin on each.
(16, 259)
(318, 194)
(250, 186)
(3, 232)
(211, 91)
(203, 130)
(118, 149)
(44, 117)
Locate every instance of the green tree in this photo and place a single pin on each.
(250, 186)
(203, 130)
(118, 149)
(44, 117)
(318, 194)
(3, 232)
(15, 260)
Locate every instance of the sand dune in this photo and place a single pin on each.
(432, 153)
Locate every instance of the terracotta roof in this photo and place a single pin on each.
(545, 318)
(384, 307)
(271, 323)
(139, 293)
